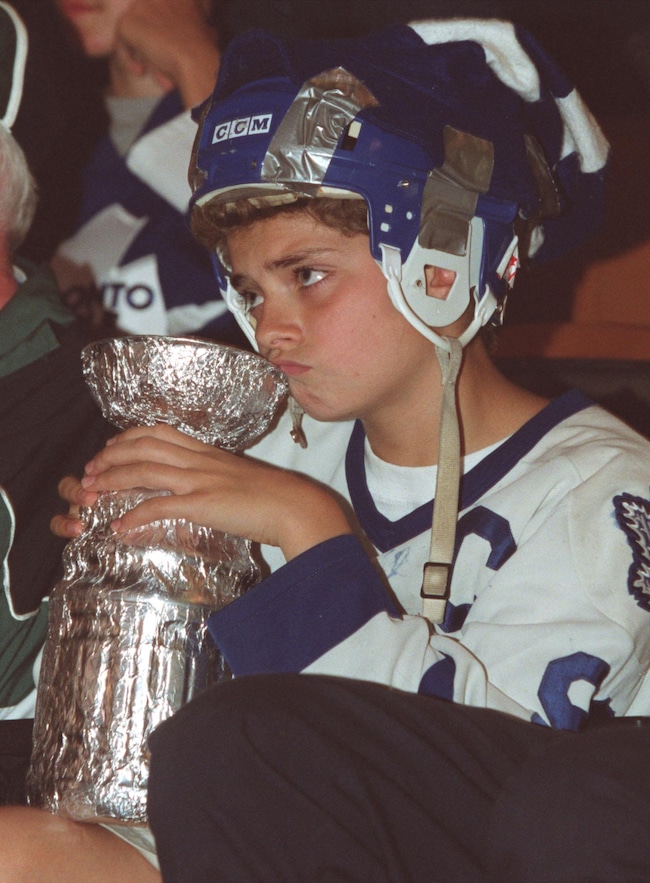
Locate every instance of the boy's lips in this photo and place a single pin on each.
(292, 369)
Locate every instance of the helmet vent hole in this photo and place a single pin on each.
(384, 227)
(351, 136)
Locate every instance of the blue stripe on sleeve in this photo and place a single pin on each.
(302, 610)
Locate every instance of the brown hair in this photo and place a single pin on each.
(213, 221)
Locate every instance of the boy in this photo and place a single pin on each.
(427, 143)
(547, 614)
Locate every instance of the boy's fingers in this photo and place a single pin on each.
(69, 488)
(66, 526)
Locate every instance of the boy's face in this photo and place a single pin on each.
(95, 22)
(322, 315)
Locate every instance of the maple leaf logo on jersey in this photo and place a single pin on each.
(633, 516)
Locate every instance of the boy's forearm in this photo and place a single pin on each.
(312, 523)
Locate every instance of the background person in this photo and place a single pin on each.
(48, 423)
(132, 254)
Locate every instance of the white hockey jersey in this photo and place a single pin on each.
(549, 610)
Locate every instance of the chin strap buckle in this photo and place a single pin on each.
(435, 589)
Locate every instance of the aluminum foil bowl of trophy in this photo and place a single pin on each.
(219, 394)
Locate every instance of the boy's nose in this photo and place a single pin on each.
(276, 326)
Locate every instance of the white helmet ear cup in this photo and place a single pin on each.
(408, 290)
(235, 304)
(434, 311)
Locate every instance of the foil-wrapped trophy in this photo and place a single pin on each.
(127, 640)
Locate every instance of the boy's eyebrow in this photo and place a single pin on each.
(289, 260)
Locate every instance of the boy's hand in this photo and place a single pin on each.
(172, 41)
(213, 488)
(68, 525)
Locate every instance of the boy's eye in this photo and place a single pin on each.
(250, 300)
(308, 276)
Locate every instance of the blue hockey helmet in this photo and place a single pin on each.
(452, 131)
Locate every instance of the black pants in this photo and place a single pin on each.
(306, 779)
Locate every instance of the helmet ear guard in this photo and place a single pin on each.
(450, 235)
(435, 311)
(235, 304)
(407, 284)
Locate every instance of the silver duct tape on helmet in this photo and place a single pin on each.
(451, 192)
(302, 148)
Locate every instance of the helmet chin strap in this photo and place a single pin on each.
(437, 570)
(449, 351)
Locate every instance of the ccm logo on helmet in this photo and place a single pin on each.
(243, 126)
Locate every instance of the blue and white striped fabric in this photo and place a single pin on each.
(574, 145)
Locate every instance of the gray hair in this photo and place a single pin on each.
(18, 194)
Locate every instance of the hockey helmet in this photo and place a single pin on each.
(453, 131)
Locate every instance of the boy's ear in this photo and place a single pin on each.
(439, 281)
